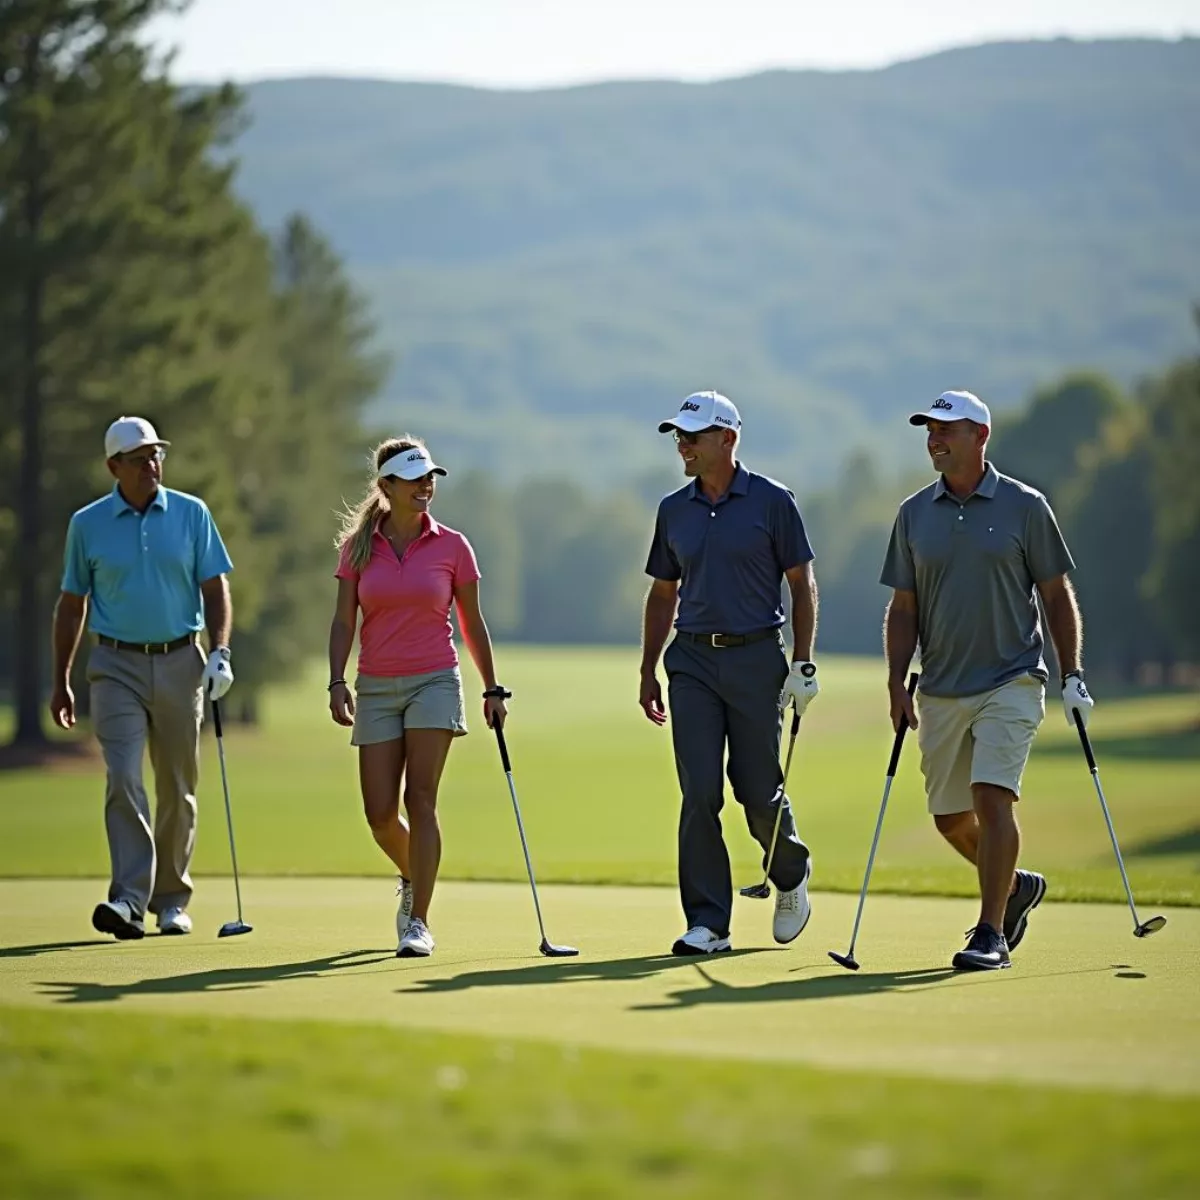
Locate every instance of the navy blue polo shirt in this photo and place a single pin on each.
(729, 557)
(143, 571)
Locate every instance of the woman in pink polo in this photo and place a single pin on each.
(404, 571)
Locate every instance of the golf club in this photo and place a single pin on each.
(230, 928)
(547, 947)
(1140, 928)
(848, 960)
(761, 891)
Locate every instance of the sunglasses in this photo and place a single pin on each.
(683, 438)
(144, 460)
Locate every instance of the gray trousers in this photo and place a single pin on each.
(154, 702)
(718, 697)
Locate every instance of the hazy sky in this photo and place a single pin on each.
(533, 43)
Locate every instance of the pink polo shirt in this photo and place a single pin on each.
(406, 602)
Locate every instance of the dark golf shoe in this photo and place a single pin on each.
(116, 917)
(1031, 887)
(986, 951)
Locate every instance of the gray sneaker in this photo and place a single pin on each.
(1031, 887)
(116, 917)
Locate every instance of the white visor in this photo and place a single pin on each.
(410, 464)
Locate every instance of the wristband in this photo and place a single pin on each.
(333, 683)
(499, 692)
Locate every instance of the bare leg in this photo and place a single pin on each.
(380, 771)
(961, 830)
(427, 751)
(998, 849)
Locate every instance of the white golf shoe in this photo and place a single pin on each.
(417, 941)
(403, 909)
(792, 910)
(700, 940)
(174, 920)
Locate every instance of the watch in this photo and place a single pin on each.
(1073, 675)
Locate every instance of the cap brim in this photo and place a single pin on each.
(138, 446)
(434, 470)
(925, 418)
(687, 424)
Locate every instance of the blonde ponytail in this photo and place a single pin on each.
(358, 523)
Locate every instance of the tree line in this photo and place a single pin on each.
(133, 280)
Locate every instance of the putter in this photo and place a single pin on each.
(548, 948)
(230, 928)
(1140, 928)
(762, 891)
(848, 960)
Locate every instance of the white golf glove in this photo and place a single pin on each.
(1076, 699)
(800, 687)
(218, 674)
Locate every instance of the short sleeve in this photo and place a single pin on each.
(1045, 548)
(211, 557)
(788, 532)
(344, 569)
(898, 570)
(661, 562)
(466, 566)
(77, 572)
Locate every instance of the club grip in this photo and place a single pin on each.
(503, 748)
(898, 742)
(1083, 737)
(216, 709)
(795, 721)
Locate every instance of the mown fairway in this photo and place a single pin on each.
(598, 792)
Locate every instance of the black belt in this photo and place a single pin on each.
(188, 639)
(722, 641)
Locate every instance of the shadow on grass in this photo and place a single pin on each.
(565, 972)
(1162, 745)
(223, 979)
(833, 987)
(51, 948)
(1185, 841)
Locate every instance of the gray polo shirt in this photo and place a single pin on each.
(974, 565)
(729, 557)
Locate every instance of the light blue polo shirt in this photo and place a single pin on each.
(142, 571)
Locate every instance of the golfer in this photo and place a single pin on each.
(404, 571)
(146, 567)
(722, 546)
(969, 556)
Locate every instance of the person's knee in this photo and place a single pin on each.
(993, 804)
(954, 827)
(381, 817)
(125, 780)
(420, 801)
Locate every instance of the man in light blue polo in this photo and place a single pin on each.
(147, 567)
(723, 544)
(969, 556)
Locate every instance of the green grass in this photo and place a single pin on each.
(97, 1106)
(598, 791)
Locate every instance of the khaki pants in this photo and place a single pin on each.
(139, 702)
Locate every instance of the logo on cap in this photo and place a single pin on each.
(942, 403)
(416, 456)
(688, 406)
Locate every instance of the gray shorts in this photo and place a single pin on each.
(386, 705)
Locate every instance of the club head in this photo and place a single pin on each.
(757, 891)
(1146, 928)
(233, 928)
(844, 960)
(552, 951)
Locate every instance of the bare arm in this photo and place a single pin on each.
(341, 639)
(218, 610)
(899, 645)
(803, 585)
(661, 601)
(69, 614)
(1064, 621)
(479, 643)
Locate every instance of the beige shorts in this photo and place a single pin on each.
(387, 705)
(977, 739)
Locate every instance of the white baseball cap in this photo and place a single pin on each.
(130, 433)
(955, 406)
(703, 410)
(410, 464)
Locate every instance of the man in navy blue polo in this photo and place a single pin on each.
(148, 567)
(723, 544)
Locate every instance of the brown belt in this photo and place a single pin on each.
(721, 641)
(188, 639)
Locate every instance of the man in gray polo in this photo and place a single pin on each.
(147, 566)
(723, 544)
(968, 557)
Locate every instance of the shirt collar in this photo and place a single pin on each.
(738, 486)
(986, 489)
(122, 506)
(429, 527)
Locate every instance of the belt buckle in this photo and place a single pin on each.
(715, 644)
